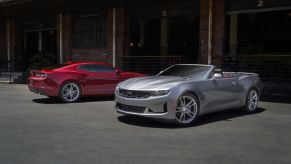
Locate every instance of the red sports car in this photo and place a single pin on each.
(72, 80)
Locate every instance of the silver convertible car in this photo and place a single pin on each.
(183, 92)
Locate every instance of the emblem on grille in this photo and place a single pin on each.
(128, 93)
(133, 94)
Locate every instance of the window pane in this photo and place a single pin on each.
(89, 31)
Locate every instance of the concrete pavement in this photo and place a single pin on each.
(35, 129)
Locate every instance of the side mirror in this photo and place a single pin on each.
(117, 71)
(217, 76)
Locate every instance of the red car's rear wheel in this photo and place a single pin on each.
(70, 92)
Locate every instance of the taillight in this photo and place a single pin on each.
(40, 75)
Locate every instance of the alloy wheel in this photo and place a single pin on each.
(253, 100)
(70, 92)
(186, 110)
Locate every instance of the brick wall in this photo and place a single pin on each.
(218, 31)
(105, 54)
(122, 22)
(67, 37)
(203, 36)
(73, 54)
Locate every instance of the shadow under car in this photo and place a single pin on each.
(225, 115)
(55, 100)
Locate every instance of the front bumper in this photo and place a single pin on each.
(153, 107)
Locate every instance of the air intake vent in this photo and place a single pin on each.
(134, 94)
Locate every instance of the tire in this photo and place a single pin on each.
(70, 92)
(252, 101)
(187, 110)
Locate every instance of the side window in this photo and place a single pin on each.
(104, 68)
(89, 68)
(96, 68)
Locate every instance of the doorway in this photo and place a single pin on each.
(183, 38)
(39, 44)
(260, 42)
(145, 37)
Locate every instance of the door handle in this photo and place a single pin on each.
(233, 83)
(93, 78)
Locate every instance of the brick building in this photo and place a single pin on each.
(149, 35)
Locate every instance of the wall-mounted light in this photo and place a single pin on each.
(260, 3)
(164, 13)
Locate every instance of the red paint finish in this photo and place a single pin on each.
(92, 81)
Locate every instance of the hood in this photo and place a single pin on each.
(151, 83)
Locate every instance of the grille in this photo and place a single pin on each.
(134, 94)
(129, 108)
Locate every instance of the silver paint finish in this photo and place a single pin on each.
(213, 95)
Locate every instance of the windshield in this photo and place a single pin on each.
(187, 71)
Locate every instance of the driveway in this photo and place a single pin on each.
(35, 129)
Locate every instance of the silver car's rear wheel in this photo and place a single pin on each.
(252, 101)
(187, 109)
(70, 92)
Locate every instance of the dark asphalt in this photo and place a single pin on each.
(37, 130)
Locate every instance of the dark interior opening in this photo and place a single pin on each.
(49, 46)
(183, 38)
(263, 45)
(264, 32)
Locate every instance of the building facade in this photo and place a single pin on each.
(148, 35)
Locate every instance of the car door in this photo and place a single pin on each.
(108, 80)
(100, 79)
(221, 93)
(90, 79)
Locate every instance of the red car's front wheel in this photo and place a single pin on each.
(70, 92)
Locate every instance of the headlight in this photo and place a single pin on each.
(160, 92)
(116, 90)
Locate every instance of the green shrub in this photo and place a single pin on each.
(41, 60)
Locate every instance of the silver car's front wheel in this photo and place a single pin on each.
(70, 92)
(187, 109)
